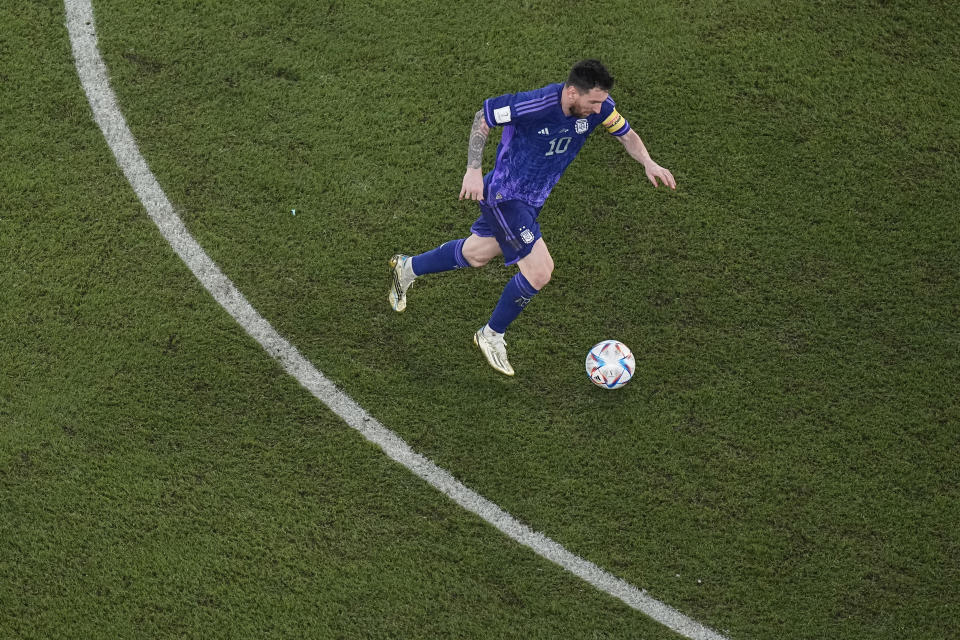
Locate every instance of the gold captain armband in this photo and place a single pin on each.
(615, 122)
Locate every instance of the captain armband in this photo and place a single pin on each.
(616, 124)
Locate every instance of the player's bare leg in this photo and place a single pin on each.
(479, 250)
(537, 266)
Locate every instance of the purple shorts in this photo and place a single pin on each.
(513, 223)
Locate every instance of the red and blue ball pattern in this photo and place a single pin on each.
(610, 364)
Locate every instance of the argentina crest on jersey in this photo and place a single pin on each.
(581, 126)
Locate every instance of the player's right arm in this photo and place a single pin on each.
(472, 188)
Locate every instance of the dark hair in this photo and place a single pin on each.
(590, 74)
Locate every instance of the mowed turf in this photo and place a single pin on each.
(783, 465)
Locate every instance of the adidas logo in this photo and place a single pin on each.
(544, 132)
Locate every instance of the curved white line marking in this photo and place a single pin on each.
(106, 112)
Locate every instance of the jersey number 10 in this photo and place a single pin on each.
(558, 145)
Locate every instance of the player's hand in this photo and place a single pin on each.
(655, 171)
(472, 188)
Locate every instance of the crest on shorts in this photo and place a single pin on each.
(527, 236)
(581, 126)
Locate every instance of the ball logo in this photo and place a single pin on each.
(581, 126)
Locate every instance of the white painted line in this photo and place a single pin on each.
(106, 112)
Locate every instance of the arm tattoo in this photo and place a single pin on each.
(478, 138)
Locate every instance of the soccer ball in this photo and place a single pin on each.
(610, 364)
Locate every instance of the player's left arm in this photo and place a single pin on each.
(472, 187)
(638, 151)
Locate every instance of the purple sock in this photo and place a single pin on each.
(446, 257)
(515, 297)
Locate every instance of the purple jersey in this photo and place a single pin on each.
(538, 142)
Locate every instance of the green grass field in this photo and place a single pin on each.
(785, 464)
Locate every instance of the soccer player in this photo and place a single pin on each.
(543, 130)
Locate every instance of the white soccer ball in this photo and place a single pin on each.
(610, 364)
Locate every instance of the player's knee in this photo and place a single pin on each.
(540, 280)
(539, 276)
(475, 260)
(479, 251)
